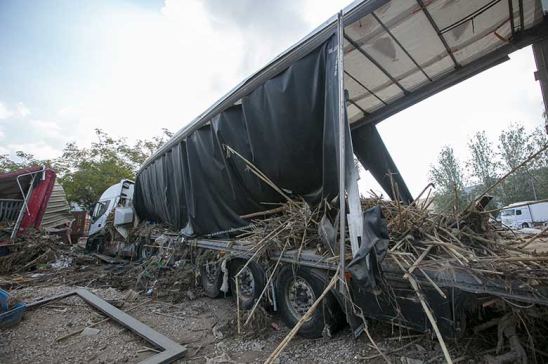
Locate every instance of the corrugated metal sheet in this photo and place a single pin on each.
(57, 212)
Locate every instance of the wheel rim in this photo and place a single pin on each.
(246, 283)
(147, 252)
(300, 296)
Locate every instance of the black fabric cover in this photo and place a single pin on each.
(365, 267)
(287, 128)
(373, 155)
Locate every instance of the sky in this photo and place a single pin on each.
(132, 68)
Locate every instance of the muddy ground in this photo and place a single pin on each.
(206, 326)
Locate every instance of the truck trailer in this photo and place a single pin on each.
(290, 132)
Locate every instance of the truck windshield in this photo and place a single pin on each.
(508, 212)
(100, 208)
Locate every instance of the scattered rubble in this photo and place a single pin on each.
(161, 290)
(33, 250)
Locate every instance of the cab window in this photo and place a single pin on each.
(100, 208)
(509, 212)
(518, 212)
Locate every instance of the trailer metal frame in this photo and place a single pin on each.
(171, 350)
(444, 278)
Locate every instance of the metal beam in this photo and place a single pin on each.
(342, 132)
(26, 197)
(521, 39)
(171, 350)
(511, 14)
(243, 251)
(374, 61)
(400, 45)
(428, 90)
(365, 113)
(365, 87)
(435, 26)
(521, 17)
(470, 17)
(540, 51)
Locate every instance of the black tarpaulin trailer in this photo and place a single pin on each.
(294, 118)
(396, 53)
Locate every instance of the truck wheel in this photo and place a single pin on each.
(251, 281)
(524, 225)
(93, 244)
(296, 292)
(147, 250)
(212, 279)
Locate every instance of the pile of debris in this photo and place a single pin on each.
(417, 237)
(468, 241)
(292, 225)
(422, 241)
(34, 248)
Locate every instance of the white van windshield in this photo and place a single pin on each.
(509, 212)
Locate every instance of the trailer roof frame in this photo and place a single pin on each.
(390, 104)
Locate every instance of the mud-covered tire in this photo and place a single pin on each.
(147, 250)
(212, 279)
(94, 243)
(296, 290)
(251, 284)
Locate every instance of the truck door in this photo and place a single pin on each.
(523, 217)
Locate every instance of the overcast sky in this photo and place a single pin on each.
(134, 67)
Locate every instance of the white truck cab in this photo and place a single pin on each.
(117, 198)
(525, 214)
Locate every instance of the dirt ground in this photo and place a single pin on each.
(208, 328)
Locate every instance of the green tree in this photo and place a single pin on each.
(482, 165)
(515, 145)
(85, 172)
(448, 178)
(22, 160)
(144, 148)
(539, 166)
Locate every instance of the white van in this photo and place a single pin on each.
(525, 214)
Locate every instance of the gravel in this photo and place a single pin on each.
(206, 326)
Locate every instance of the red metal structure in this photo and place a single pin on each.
(26, 197)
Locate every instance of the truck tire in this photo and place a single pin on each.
(296, 290)
(94, 243)
(212, 279)
(251, 282)
(524, 225)
(147, 250)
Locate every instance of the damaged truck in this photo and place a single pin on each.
(32, 198)
(283, 141)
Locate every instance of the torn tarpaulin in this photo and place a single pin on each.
(365, 266)
(287, 127)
